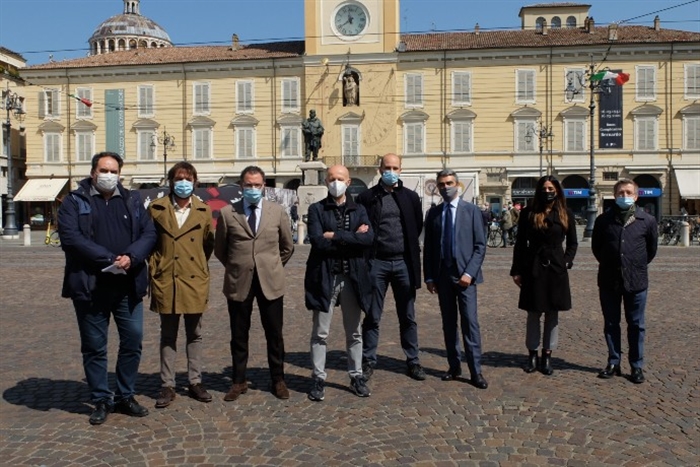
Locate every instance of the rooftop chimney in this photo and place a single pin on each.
(591, 25)
(657, 23)
(476, 29)
(234, 41)
(544, 27)
(612, 32)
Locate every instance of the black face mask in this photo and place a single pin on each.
(547, 196)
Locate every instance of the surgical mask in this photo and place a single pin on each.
(448, 193)
(183, 188)
(337, 188)
(548, 196)
(107, 182)
(390, 178)
(252, 195)
(624, 202)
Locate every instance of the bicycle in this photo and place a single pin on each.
(495, 235)
(52, 237)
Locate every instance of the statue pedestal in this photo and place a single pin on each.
(311, 172)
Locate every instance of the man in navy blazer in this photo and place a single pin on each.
(454, 251)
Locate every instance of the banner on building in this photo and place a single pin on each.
(114, 122)
(610, 118)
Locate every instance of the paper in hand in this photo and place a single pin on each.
(114, 269)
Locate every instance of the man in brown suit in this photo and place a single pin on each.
(254, 242)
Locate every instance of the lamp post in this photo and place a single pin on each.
(13, 104)
(543, 134)
(168, 142)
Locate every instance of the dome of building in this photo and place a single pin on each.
(127, 31)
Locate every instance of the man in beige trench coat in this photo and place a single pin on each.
(254, 242)
(179, 277)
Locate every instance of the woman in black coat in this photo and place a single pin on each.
(540, 265)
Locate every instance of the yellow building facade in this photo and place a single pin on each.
(499, 107)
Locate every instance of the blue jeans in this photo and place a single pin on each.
(634, 303)
(383, 273)
(93, 323)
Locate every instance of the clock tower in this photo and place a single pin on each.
(351, 26)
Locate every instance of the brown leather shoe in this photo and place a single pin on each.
(236, 390)
(166, 396)
(279, 389)
(198, 392)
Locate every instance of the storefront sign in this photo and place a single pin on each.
(576, 192)
(649, 192)
(526, 192)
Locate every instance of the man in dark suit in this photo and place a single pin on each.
(254, 242)
(454, 251)
(396, 216)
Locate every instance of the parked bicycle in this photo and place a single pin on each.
(52, 237)
(495, 235)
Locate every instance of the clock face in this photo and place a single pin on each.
(350, 20)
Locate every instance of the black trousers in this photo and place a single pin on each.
(271, 317)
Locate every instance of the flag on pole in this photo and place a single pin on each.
(81, 99)
(620, 78)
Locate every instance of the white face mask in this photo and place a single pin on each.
(107, 182)
(337, 188)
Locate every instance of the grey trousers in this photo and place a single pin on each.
(169, 324)
(352, 321)
(551, 330)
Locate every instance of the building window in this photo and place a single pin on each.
(201, 143)
(525, 136)
(461, 136)
(351, 145)
(244, 97)
(290, 142)
(525, 86)
(49, 103)
(290, 95)
(414, 90)
(691, 132)
(556, 22)
(202, 97)
(81, 110)
(245, 142)
(146, 103)
(413, 138)
(146, 145)
(645, 133)
(539, 23)
(461, 88)
(610, 176)
(84, 145)
(575, 134)
(575, 84)
(692, 81)
(571, 22)
(646, 83)
(52, 147)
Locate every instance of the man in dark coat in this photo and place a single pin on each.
(624, 242)
(396, 216)
(336, 273)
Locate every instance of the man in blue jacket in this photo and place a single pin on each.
(336, 273)
(624, 242)
(107, 235)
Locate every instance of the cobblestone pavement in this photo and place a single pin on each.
(571, 418)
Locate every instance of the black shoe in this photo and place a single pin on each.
(130, 407)
(100, 414)
(546, 363)
(531, 362)
(367, 371)
(479, 381)
(637, 376)
(318, 390)
(416, 371)
(610, 371)
(358, 385)
(452, 374)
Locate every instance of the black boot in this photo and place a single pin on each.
(531, 362)
(546, 362)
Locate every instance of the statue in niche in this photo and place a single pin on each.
(313, 131)
(350, 90)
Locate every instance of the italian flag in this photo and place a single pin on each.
(620, 78)
(81, 99)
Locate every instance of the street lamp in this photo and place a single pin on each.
(543, 134)
(168, 142)
(13, 104)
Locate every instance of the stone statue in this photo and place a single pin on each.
(313, 131)
(350, 89)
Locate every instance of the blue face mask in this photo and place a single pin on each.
(252, 195)
(624, 202)
(390, 178)
(183, 188)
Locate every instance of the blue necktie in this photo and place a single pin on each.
(448, 238)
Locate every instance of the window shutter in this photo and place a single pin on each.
(459, 137)
(692, 139)
(42, 104)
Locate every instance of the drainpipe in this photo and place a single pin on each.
(273, 106)
(69, 159)
(671, 172)
(183, 127)
(443, 110)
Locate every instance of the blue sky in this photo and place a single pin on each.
(38, 28)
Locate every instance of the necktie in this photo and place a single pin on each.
(252, 218)
(448, 238)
